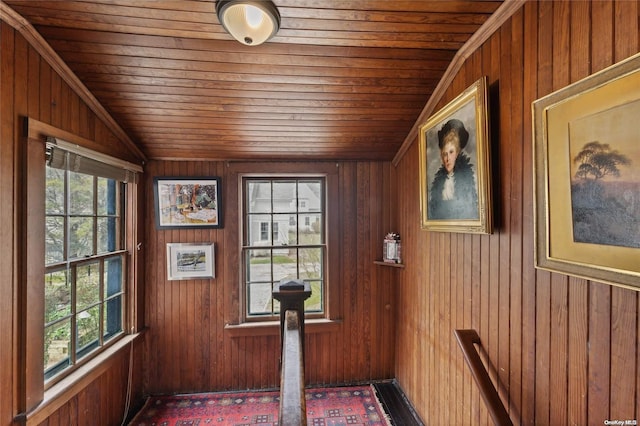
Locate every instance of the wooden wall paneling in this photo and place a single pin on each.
(559, 290)
(577, 342)
(376, 325)
(360, 335)
(44, 88)
(600, 296)
(507, 170)
(560, 339)
(56, 84)
(543, 287)
(29, 316)
(33, 85)
(238, 361)
(493, 337)
(530, 63)
(624, 340)
(516, 214)
(349, 246)
(8, 353)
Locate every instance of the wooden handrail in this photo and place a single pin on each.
(467, 339)
(293, 407)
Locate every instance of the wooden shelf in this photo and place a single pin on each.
(393, 265)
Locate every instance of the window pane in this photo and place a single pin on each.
(81, 193)
(310, 229)
(284, 265)
(112, 276)
(282, 230)
(107, 197)
(259, 197)
(88, 329)
(57, 345)
(259, 298)
(310, 196)
(54, 239)
(57, 296)
(284, 196)
(258, 265)
(80, 237)
(314, 302)
(87, 285)
(292, 230)
(310, 262)
(107, 234)
(258, 230)
(112, 317)
(54, 202)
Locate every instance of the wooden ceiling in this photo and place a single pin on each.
(342, 79)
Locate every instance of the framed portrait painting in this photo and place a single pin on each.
(587, 177)
(188, 261)
(455, 184)
(182, 202)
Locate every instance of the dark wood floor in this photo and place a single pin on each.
(396, 404)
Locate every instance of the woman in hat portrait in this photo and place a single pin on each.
(453, 193)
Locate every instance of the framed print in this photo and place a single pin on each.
(587, 177)
(455, 184)
(190, 261)
(182, 202)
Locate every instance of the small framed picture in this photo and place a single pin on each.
(185, 202)
(188, 261)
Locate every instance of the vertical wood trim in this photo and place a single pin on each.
(8, 288)
(32, 302)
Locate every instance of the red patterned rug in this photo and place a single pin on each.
(356, 405)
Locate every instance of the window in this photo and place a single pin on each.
(85, 259)
(292, 252)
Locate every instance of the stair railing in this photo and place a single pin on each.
(467, 339)
(293, 405)
(293, 410)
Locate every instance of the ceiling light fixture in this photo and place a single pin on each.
(251, 22)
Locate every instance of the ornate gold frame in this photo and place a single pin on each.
(471, 108)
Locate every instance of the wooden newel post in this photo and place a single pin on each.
(291, 294)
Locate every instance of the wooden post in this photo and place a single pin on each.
(291, 294)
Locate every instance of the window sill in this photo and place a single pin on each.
(272, 328)
(60, 393)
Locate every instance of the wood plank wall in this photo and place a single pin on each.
(188, 347)
(564, 350)
(29, 87)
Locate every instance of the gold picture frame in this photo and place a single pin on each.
(587, 177)
(455, 181)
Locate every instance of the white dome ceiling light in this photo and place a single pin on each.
(251, 22)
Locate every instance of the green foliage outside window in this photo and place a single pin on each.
(83, 280)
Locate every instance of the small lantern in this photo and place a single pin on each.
(391, 248)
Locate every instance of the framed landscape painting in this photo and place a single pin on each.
(187, 261)
(587, 177)
(182, 202)
(455, 181)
